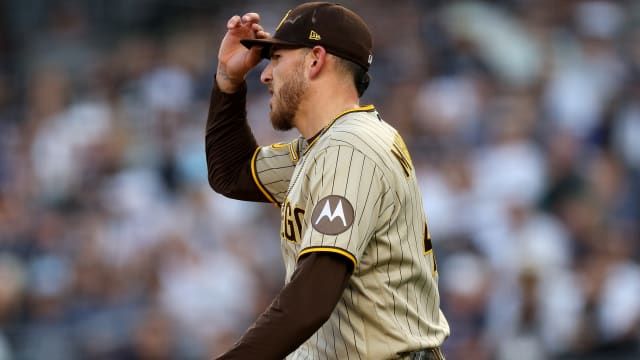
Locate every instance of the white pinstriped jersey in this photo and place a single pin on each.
(353, 191)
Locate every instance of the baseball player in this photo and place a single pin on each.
(361, 276)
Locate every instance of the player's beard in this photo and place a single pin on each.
(287, 100)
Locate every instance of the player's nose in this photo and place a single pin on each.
(267, 74)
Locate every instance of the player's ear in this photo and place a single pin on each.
(316, 60)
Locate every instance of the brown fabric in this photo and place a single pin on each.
(318, 284)
(230, 145)
(424, 354)
(339, 30)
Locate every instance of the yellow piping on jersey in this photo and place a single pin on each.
(279, 146)
(334, 250)
(293, 151)
(291, 147)
(254, 175)
(359, 108)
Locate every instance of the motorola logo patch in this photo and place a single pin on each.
(332, 215)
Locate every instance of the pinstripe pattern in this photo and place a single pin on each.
(391, 304)
(274, 167)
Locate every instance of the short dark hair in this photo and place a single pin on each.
(359, 74)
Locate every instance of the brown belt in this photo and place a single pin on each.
(424, 354)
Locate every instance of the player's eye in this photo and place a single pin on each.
(275, 56)
(273, 52)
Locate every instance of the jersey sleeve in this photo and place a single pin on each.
(347, 190)
(272, 167)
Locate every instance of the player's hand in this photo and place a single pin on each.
(235, 60)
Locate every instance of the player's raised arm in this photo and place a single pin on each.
(229, 142)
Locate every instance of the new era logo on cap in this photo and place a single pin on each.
(339, 30)
(314, 36)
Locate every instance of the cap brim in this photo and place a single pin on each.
(266, 45)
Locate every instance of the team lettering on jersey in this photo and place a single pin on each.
(400, 151)
(428, 247)
(291, 222)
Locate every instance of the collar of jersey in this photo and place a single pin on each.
(324, 130)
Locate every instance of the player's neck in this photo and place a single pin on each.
(321, 107)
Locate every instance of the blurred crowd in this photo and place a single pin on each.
(522, 116)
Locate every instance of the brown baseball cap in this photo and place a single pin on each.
(339, 30)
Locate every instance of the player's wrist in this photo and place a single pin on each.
(227, 83)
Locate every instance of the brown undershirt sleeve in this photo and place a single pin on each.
(300, 309)
(230, 145)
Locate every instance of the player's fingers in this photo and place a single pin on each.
(234, 22)
(263, 35)
(251, 18)
(259, 31)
